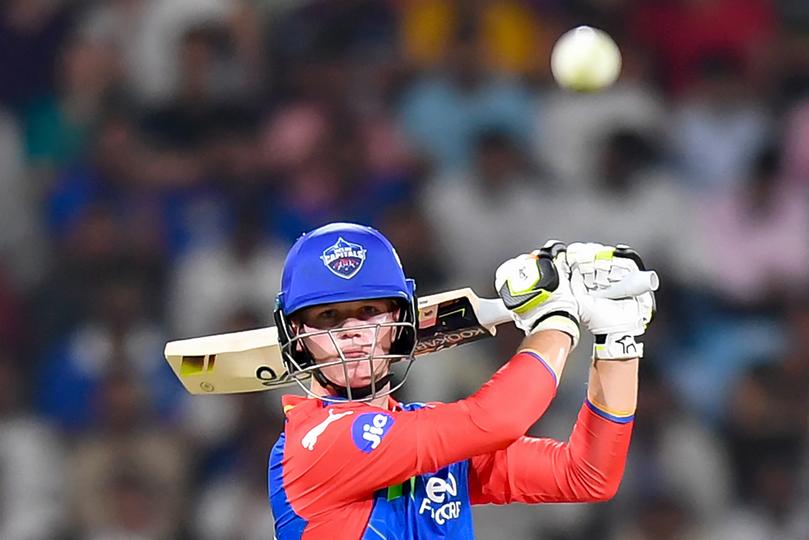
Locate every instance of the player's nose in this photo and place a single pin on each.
(353, 327)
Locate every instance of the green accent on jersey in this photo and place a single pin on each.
(394, 492)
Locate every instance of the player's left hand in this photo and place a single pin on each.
(615, 323)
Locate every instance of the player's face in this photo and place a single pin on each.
(358, 330)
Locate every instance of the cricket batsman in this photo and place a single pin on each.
(353, 463)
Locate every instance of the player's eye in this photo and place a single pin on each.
(327, 315)
(369, 311)
(327, 318)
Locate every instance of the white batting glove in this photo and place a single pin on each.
(535, 287)
(615, 323)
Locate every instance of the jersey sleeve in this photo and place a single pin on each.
(587, 468)
(370, 448)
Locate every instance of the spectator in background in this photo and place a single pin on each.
(99, 212)
(796, 146)
(13, 319)
(633, 186)
(756, 253)
(207, 170)
(58, 125)
(333, 170)
(210, 283)
(32, 494)
(199, 140)
(234, 503)
(474, 212)
(442, 113)
(682, 33)
(719, 126)
(678, 473)
(767, 410)
(758, 235)
(119, 334)
(409, 229)
(112, 176)
(149, 35)
(331, 52)
(31, 32)
(660, 517)
(22, 245)
(768, 436)
(292, 134)
(796, 360)
(128, 475)
(514, 37)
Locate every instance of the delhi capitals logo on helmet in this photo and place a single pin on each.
(344, 259)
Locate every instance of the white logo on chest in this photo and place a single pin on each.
(438, 491)
(311, 436)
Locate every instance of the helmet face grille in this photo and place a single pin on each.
(301, 365)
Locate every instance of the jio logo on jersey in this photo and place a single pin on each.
(344, 259)
(368, 430)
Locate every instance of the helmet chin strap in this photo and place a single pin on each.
(357, 392)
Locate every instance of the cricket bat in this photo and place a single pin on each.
(250, 361)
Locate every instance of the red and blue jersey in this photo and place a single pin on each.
(356, 471)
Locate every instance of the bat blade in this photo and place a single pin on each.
(246, 361)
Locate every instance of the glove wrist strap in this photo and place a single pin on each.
(618, 346)
(558, 320)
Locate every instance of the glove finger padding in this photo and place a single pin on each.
(535, 287)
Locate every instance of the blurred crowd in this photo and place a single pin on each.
(158, 157)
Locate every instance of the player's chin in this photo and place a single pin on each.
(359, 374)
(363, 371)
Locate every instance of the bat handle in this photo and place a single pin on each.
(493, 312)
(634, 284)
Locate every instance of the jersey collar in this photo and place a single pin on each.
(290, 401)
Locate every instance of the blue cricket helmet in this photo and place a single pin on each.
(341, 262)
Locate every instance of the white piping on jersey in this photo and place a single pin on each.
(382, 536)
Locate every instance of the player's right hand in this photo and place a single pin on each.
(535, 287)
(617, 324)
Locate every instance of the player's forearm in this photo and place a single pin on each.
(552, 345)
(524, 386)
(613, 387)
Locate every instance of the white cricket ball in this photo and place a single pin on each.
(585, 59)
